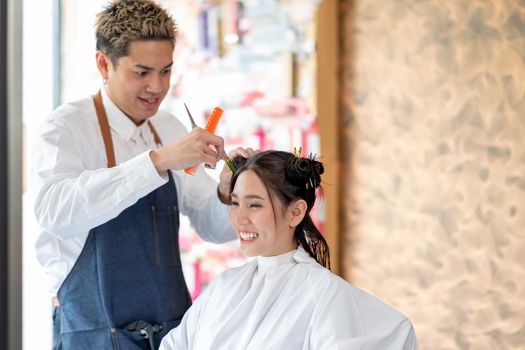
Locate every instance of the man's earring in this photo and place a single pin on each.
(104, 81)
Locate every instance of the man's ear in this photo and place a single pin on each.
(103, 63)
(296, 212)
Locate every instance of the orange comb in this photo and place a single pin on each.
(210, 127)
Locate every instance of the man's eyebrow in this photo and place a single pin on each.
(168, 65)
(148, 68)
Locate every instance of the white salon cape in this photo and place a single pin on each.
(74, 191)
(288, 302)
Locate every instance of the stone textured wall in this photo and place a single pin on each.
(433, 109)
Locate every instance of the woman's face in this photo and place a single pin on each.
(252, 216)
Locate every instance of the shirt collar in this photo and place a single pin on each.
(118, 121)
(298, 255)
(268, 262)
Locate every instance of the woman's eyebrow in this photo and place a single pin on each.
(248, 196)
(253, 196)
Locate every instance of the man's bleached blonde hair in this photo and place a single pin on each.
(124, 21)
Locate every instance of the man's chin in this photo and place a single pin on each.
(145, 114)
(142, 117)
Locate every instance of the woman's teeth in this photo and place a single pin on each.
(248, 236)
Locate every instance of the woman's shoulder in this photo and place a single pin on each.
(235, 273)
(337, 291)
(352, 312)
(328, 287)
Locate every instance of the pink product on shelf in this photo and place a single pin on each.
(187, 239)
(261, 135)
(232, 17)
(310, 136)
(283, 108)
(197, 289)
(251, 96)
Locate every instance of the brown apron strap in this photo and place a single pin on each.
(104, 128)
(155, 134)
(106, 131)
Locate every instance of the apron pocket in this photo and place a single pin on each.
(166, 236)
(89, 340)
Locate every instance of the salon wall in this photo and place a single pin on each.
(433, 113)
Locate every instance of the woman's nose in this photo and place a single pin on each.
(241, 217)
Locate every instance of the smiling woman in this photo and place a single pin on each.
(285, 298)
(270, 212)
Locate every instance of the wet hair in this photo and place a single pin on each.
(124, 21)
(289, 178)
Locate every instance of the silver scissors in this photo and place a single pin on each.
(193, 124)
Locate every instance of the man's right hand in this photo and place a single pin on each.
(194, 148)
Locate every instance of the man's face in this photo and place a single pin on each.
(140, 80)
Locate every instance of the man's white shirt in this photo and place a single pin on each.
(74, 190)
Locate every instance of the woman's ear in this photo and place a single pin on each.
(296, 212)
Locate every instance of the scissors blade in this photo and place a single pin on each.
(193, 125)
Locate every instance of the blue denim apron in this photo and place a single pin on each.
(127, 289)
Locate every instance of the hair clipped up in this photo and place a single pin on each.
(239, 162)
(301, 171)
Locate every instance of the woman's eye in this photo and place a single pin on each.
(234, 203)
(255, 205)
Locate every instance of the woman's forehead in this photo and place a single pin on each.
(248, 182)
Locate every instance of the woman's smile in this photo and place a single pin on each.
(248, 236)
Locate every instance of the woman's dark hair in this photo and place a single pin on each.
(290, 178)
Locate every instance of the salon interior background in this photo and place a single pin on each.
(431, 114)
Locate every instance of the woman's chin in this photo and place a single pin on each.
(247, 252)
